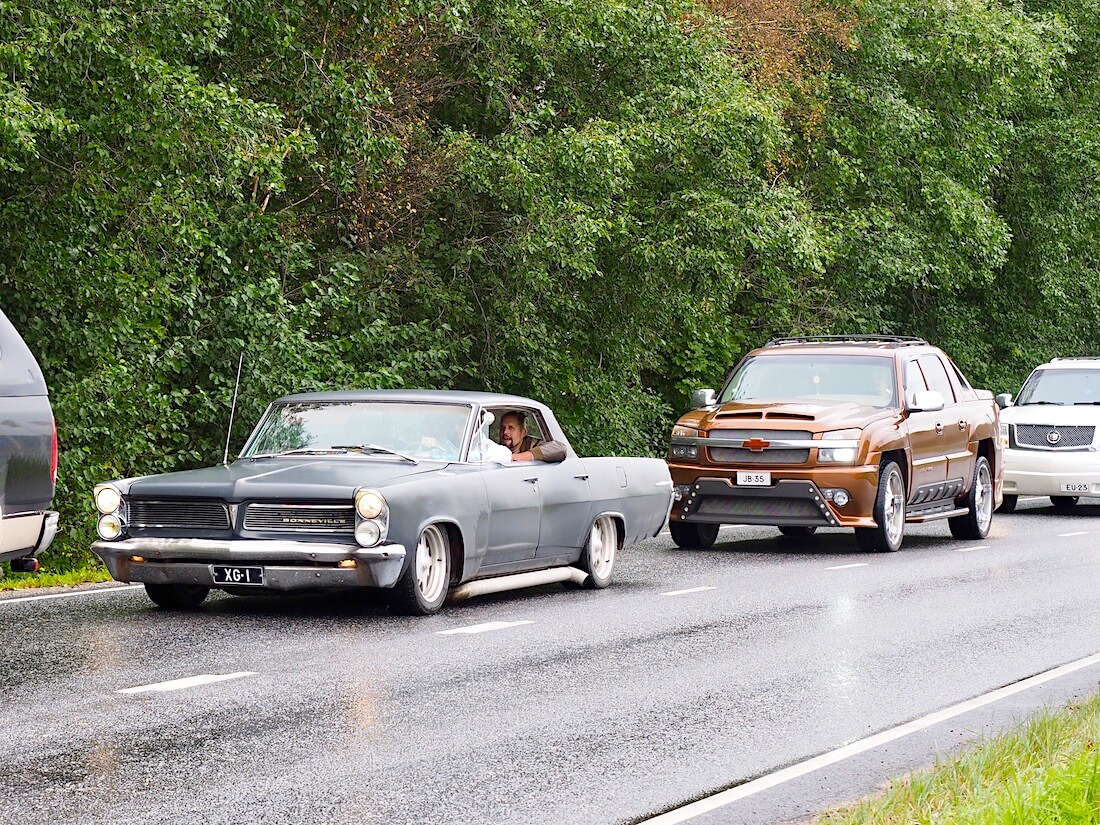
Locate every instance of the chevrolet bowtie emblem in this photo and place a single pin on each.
(757, 445)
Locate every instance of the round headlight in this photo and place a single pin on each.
(369, 504)
(367, 533)
(109, 527)
(108, 500)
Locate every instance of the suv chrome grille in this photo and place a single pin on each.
(1052, 437)
(779, 455)
(300, 518)
(181, 514)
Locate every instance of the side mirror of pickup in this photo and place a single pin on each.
(702, 398)
(1003, 400)
(925, 401)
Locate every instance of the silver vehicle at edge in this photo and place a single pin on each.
(404, 490)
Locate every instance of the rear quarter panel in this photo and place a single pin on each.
(638, 489)
(26, 428)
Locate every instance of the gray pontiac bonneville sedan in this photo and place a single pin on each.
(404, 490)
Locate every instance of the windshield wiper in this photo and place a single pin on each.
(373, 448)
(1084, 403)
(1052, 403)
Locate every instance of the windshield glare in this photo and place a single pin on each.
(1061, 387)
(814, 379)
(431, 431)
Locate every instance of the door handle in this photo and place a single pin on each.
(939, 427)
(962, 423)
(582, 477)
(534, 480)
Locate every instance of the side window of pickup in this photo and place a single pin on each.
(934, 371)
(914, 380)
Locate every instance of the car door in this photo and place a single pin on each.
(925, 437)
(514, 514)
(566, 507)
(956, 431)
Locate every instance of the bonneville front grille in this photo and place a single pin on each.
(300, 518)
(180, 514)
(1051, 437)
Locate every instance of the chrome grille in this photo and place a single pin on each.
(179, 514)
(300, 518)
(1068, 438)
(779, 455)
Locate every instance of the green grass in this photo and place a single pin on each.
(1044, 773)
(81, 575)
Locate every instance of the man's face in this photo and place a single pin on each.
(512, 432)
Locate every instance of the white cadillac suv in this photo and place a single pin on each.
(1053, 434)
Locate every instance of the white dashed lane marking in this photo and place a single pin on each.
(190, 681)
(968, 549)
(481, 628)
(1067, 535)
(688, 590)
(71, 595)
(849, 566)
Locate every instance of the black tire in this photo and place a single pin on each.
(889, 530)
(1008, 503)
(798, 532)
(177, 596)
(423, 587)
(600, 553)
(979, 505)
(694, 536)
(1064, 504)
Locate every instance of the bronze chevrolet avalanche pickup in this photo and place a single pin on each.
(868, 432)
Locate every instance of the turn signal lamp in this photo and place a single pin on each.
(346, 563)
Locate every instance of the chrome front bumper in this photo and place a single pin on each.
(288, 565)
(1043, 472)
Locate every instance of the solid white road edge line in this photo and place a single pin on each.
(771, 780)
(481, 628)
(968, 549)
(849, 566)
(1067, 535)
(190, 681)
(688, 590)
(70, 595)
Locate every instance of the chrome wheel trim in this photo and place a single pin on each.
(894, 508)
(431, 564)
(983, 497)
(603, 545)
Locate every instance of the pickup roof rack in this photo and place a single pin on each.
(892, 340)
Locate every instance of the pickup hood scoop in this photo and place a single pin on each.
(286, 479)
(840, 415)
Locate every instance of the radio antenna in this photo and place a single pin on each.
(232, 410)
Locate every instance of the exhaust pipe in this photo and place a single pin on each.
(498, 584)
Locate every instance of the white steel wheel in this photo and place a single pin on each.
(423, 587)
(601, 552)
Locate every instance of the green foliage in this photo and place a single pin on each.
(585, 201)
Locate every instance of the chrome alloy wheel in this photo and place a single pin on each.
(983, 497)
(431, 563)
(603, 544)
(894, 509)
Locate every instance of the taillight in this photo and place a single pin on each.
(53, 455)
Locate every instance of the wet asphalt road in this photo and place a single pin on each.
(602, 707)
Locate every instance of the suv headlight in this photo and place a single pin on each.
(839, 455)
(1003, 433)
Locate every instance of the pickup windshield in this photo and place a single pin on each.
(814, 379)
(369, 429)
(1061, 386)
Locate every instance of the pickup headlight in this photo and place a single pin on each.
(108, 499)
(839, 455)
(686, 432)
(684, 452)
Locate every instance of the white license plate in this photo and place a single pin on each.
(1074, 488)
(754, 479)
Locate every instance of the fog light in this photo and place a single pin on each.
(680, 491)
(841, 497)
(138, 559)
(367, 533)
(109, 527)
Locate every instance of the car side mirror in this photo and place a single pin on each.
(702, 398)
(925, 401)
(1003, 400)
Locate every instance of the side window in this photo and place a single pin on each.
(914, 379)
(958, 374)
(934, 371)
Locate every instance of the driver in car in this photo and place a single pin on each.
(525, 447)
